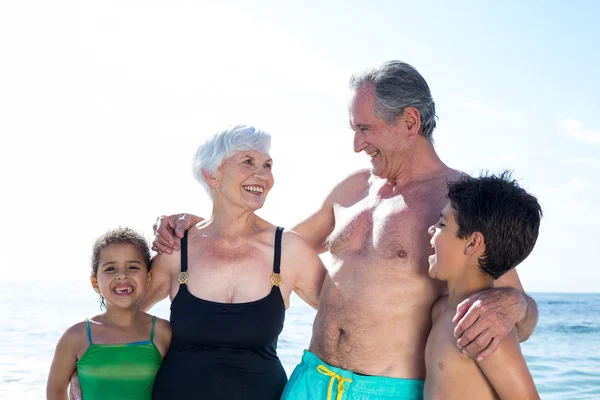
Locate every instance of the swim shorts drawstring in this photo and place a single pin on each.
(340, 389)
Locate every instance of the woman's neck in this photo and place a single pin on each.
(232, 221)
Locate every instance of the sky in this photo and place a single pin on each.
(102, 106)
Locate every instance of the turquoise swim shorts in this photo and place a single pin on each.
(314, 380)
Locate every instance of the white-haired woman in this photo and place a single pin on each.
(231, 281)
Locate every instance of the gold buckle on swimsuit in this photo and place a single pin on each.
(182, 278)
(276, 279)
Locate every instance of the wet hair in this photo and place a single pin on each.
(398, 85)
(506, 215)
(120, 236)
(225, 144)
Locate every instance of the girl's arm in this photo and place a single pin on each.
(507, 371)
(64, 363)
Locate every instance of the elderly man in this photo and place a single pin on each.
(373, 318)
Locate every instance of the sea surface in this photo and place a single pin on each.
(563, 354)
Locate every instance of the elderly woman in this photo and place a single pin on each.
(231, 281)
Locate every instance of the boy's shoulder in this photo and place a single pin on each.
(438, 308)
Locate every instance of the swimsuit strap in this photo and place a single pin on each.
(184, 246)
(277, 260)
(152, 331)
(89, 332)
(182, 278)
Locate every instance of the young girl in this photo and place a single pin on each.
(118, 353)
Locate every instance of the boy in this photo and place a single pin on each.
(488, 226)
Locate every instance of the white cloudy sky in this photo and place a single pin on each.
(102, 105)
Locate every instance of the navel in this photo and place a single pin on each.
(402, 253)
(441, 365)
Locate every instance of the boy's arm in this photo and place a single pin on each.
(63, 365)
(507, 371)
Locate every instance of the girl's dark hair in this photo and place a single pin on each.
(120, 236)
(506, 215)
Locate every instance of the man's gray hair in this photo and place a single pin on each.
(398, 85)
(225, 144)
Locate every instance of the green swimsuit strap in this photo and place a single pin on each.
(152, 331)
(89, 332)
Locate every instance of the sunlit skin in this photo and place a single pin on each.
(450, 373)
(374, 313)
(379, 249)
(122, 279)
(243, 171)
(390, 147)
(230, 254)
(448, 257)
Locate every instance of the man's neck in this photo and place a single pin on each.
(422, 164)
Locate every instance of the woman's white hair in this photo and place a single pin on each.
(225, 144)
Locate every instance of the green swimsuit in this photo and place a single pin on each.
(119, 371)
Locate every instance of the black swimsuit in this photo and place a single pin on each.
(222, 350)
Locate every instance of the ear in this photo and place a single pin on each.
(475, 244)
(411, 118)
(211, 179)
(149, 278)
(94, 283)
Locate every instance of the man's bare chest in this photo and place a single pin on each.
(392, 228)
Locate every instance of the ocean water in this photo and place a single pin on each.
(563, 353)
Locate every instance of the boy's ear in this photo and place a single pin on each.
(475, 244)
(94, 283)
(211, 179)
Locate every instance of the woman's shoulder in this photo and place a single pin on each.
(294, 245)
(293, 238)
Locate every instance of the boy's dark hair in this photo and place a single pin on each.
(506, 215)
(120, 236)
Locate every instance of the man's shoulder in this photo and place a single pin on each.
(359, 176)
(356, 181)
(454, 174)
(438, 182)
